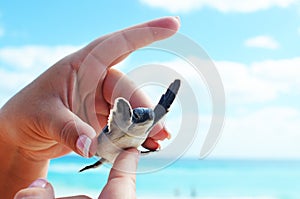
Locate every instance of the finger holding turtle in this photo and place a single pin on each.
(55, 114)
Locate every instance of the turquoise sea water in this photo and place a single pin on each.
(187, 178)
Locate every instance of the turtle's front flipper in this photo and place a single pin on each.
(120, 116)
(95, 165)
(166, 100)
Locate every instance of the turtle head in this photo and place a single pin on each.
(142, 119)
(142, 115)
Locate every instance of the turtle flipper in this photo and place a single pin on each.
(95, 165)
(120, 117)
(166, 100)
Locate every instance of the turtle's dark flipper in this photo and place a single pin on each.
(166, 100)
(95, 165)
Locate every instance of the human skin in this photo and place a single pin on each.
(65, 108)
(121, 183)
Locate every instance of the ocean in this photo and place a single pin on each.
(186, 178)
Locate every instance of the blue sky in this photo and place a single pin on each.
(254, 45)
(221, 34)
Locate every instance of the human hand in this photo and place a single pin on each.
(120, 184)
(63, 109)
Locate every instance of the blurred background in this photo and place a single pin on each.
(253, 44)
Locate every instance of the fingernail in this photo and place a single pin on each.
(41, 183)
(159, 147)
(167, 133)
(169, 136)
(83, 144)
(177, 18)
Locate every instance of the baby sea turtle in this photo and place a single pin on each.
(129, 127)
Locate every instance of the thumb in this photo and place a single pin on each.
(68, 129)
(40, 188)
(121, 181)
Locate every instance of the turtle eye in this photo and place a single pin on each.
(137, 116)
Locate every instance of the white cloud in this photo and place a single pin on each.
(259, 122)
(175, 6)
(260, 81)
(267, 133)
(254, 127)
(284, 70)
(20, 65)
(262, 41)
(242, 86)
(30, 57)
(12, 82)
(271, 132)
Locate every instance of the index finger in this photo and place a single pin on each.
(109, 48)
(92, 62)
